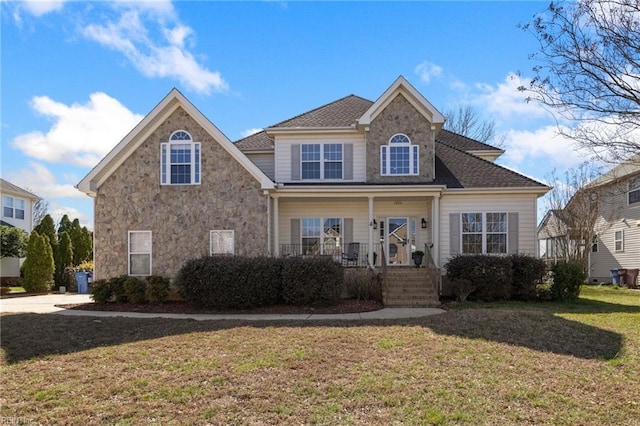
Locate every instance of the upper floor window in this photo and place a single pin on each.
(618, 241)
(180, 160)
(321, 161)
(633, 196)
(399, 157)
(13, 207)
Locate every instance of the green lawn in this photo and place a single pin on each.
(510, 363)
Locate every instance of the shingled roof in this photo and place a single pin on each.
(455, 167)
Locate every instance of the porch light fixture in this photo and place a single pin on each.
(374, 224)
(423, 224)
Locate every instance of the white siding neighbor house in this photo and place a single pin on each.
(17, 211)
(616, 228)
(367, 182)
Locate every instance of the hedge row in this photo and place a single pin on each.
(490, 278)
(246, 282)
(123, 289)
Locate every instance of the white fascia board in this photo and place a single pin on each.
(278, 131)
(540, 191)
(401, 85)
(487, 154)
(353, 191)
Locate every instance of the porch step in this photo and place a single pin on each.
(411, 287)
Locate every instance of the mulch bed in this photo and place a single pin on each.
(178, 307)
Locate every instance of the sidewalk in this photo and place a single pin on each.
(47, 304)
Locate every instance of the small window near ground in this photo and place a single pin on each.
(222, 242)
(140, 253)
(618, 241)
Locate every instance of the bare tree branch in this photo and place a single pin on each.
(588, 72)
(466, 121)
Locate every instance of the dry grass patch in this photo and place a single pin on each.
(483, 364)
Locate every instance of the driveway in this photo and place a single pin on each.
(41, 304)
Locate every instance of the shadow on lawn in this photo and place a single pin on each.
(534, 326)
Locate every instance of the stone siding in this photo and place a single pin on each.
(179, 216)
(400, 117)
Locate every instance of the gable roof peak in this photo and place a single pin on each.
(402, 86)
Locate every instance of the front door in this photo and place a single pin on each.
(398, 240)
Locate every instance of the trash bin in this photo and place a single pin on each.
(615, 277)
(622, 273)
(632, 278)
(82, 279)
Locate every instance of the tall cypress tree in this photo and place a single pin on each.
(47, 227)
(38, 266)
(65, 259)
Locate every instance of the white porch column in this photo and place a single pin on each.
(435, 229)
(276, 227)
(371, 232)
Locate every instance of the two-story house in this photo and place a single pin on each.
(614, 225)
(378, 180)
(17, 211)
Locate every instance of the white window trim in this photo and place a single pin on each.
(321, 237)
(414, 156)
(616, 240)
(635, 188)
(485, 233)
(129, 253)
(322, 161)
(233, 240)
(14, 207)
(165, 148)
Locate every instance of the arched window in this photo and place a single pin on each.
(399, 157)
(180, 160)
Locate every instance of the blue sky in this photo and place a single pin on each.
(77, 76)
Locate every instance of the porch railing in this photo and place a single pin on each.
(353, 254)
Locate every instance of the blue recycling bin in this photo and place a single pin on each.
(615, 276)
(82, 279)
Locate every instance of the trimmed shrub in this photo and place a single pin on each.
(117, 288)
(311, 281)
(101, 291)
(157, 289)
(526, 273)
(230, 281)
(462, 288)
(363, 284)
(490, 275)
(568, 278)
(135, 289)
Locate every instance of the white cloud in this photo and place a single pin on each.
(42, 7)
(81, 134)
(506, 101)
(42, 182)
(250, 132)
(162, 56)
(57, 210)
(426, 71)
(543, 143)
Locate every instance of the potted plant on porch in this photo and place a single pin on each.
(417, 257)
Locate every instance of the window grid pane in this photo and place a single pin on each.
(310, 160)
(140, 253)
(384, 160)
(310, 236)
(197, 163)
(472, 233)
(222, 242)
(399, 160)
(332, 236)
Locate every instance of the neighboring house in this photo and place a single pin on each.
(615, 235)
(381, 174)
(17, 211)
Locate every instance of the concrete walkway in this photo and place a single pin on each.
(47, 304)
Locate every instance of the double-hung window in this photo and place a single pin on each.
(399, 157)
(633, 196)
(140, 253)
(321, 235)
(618, 241)
(484, 233)
(222, 242)
(321, 161)
(13, 207)
(180, 160)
